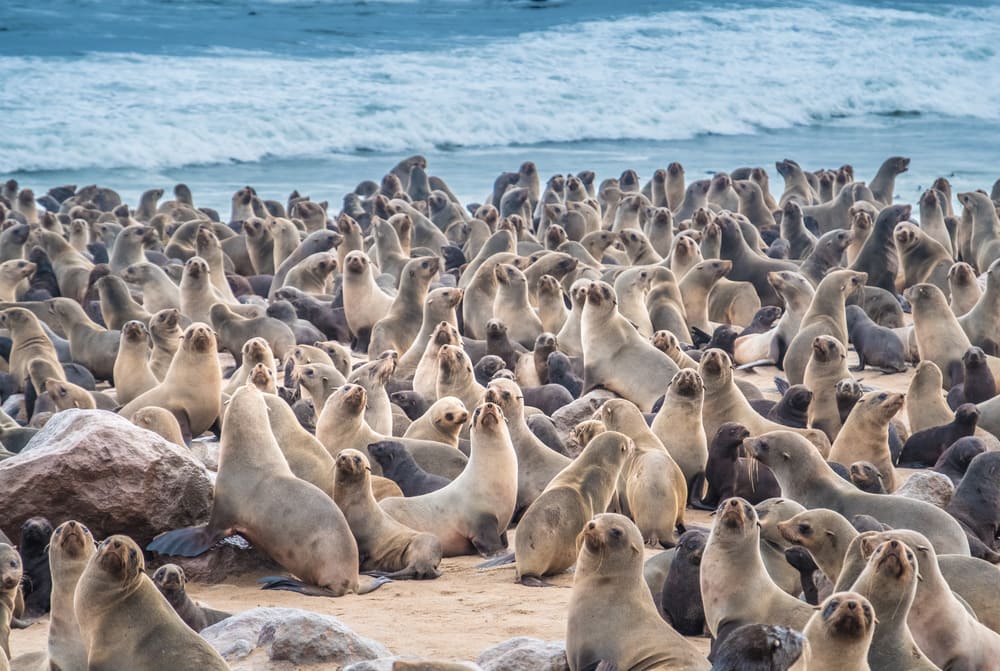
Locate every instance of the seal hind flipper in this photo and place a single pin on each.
(367, 584)
(408, 573)
(500, 560)
(782, 385)
(186, 542)
(534, 581)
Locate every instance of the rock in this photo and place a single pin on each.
(207, 452)
(410, 664)
(100, 469)
(300, 637)
(928, 486)
(568, 416)
(525, 654)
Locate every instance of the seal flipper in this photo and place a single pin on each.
(500, 560)
(185, 425)
(486, 538)
(187, 542)
(367, 584)
(534, 581)
(802, 561)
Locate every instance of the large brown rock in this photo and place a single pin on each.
(100, 469)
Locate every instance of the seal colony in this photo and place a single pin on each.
(553, 378)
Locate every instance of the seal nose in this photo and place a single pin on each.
(591, 526)
(894, 544)
(851, 605)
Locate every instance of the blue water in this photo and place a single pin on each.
(285, 94)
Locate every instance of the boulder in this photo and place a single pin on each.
(262, 637)
(568, 416)
(930, 486)
(411, 664)
(525, 654)
(100, 469)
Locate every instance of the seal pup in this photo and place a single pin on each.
(609, 572)
(804, 477)
(877, 346)
(840, 633)
(923, 448)
(170, 580)
(889, 580)
(120, 612)
(762, 647)
(736, 588)
(978, 384)
(385, 546)
(471, 513)
(36, 585)
(680, 597)
(284, 514)
(398, 465)
(727, 474)
(545, 542)
(974, 503)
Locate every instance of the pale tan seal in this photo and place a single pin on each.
(614, 352)
(609, 575)
(117, 304)
(963, 288)
(439, 306)
(133, 375)
(165, 333)
(364, 301)
(90, 344)
(70, 548)
(724, 402)
(255, 351)
(841, 632)
(545, 542)
(71, 268)
(456, 378)
(512, 307)
(889, 580)
(825, 316)
(426, 374)
(29, 343)
(192, 387)
(120, 611)
(652, 490)
(827, 366)
(282, 515)
(678, 424)
(805, 477)
(736, 589)
(385, 546)
(158, 291)
(159, 421)
(470, 514)
(12, 273)
(401, 324)
(442, 422)
(865, 435)
(197, 295)
(233, 330)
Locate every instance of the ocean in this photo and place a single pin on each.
(319, 95)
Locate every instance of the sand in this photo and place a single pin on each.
(460, 614)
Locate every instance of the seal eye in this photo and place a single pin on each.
(805, 530)
(882, 396)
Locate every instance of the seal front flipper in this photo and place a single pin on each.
(367, 584)
(486, 538)
(187, 542)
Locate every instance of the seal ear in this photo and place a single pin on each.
(786, 455)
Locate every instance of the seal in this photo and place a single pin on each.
(972, 501)
(826, 316)
(651, 488)
(613, 350)
(398, 465)
(70, 549)
(735, 586)
(386, 547)
(364, 301)
(192, 387)
(284, 515)
(867, 477)
(680, 597)
(90, 345)
(678, 424)
(978, 384)
(840, 632)
(545, 542)
(727, 474)
(609, 571)
(11, 598)
(923, 448)
(170, 580)
(233, 330)
(761, 647)
(865, 435)
(942, 626)
(160, 421)
(806, 478)
(28, 343)
(827, 366)
(955, 460)
(36, 585)
(470, 514)
(132, 373)
(117, 304)
(442, 422)
(963, 288)
(158, 291)
(119, 608)
(401, 324)
(165, 333)
(890, 580)
(877, 346)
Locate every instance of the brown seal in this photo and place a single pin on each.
(470, 514)
(283, 515)
(840, 633)
(609, 574)
(119, 609)
(545, 542)
(385, 546)
(192, 387)
(736, 588)
(805, 477)
(865, 435)
(170, 580)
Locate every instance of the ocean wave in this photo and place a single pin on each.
(668, 76)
